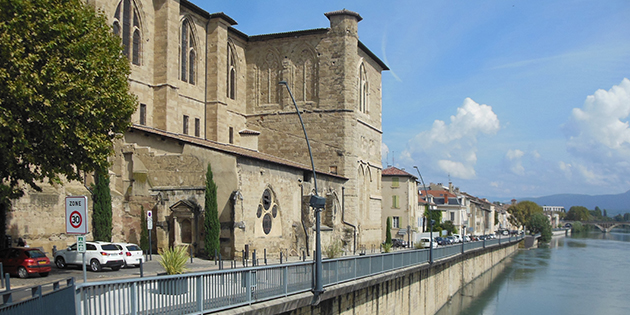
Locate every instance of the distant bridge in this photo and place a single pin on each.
(604, 226)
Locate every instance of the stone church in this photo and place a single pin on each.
(210, 94)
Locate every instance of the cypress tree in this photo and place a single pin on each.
(102, 213)
(211, 220)
(144, 232)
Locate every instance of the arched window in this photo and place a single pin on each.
(187, 53)
(268, 211)
(363, 89)
(127, 16)
(231, 73)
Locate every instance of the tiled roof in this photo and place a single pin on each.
(226, 148)
(393, 171)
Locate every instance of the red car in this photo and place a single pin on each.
(24, 261)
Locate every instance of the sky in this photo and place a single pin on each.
(505, 99)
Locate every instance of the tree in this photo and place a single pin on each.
(388, 231)
(435, 215)
(605, 214)
(144, 231)
(578, 213)
(522, 212)
(618, 218)
(448, 226)
(211, 221)
(102, 212)
(64, 93)
(596, 214)
(539, 223)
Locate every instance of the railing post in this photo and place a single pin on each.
(248, 285)
(134, 303)
(7, 281)
(484, 243)
(199, 294)
(285, 280)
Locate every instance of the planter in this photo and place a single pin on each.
(174, 286)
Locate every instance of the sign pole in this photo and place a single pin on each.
(150, 227)
(76, 223)
(81, 249)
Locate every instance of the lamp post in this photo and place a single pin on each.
(426, 196)
(317, 203)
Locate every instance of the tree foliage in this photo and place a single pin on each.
(388, 231)
(102, 202)
(539, 223)
(522, 212)
(578, 213)
(64, 94)
(211, 223)
(450, 227)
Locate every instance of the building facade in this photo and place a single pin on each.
(400, 203)
(209, 95)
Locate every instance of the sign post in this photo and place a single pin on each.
(150, 227)
(76, 223)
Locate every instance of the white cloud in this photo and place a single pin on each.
(515, 162)
(453, 147)
(598, 134)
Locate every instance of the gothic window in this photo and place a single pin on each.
(127, 24)
(269, 78)
(267, 210)
(305, 77)
(185, 124)
(363, 89)
(231, 74)
(187, 53)
(143, 114)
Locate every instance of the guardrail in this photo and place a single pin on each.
(209, 291)
(52, 298)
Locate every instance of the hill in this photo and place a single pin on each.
(614, 204)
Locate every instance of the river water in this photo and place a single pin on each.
(581, 274)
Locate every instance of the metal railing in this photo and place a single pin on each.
(222, 289)
(52, 298)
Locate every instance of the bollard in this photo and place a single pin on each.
(265, 254)
(280, 257)
(220, 263)
(191, 255)
(215, 256)
(254, 262)
(243, 254)
(303, 255)
(141, 270)
(7, 281)
(54, 250)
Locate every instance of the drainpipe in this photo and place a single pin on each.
(343, 212)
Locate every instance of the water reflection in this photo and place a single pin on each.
(579, 274)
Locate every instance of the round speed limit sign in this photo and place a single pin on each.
(76, 215)
(75, 219)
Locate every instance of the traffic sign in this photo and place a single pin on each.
(76, 215)
(149, 220)
(81, 243)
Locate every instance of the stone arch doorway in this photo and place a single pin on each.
(185, 225)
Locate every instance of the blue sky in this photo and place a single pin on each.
(510, 99)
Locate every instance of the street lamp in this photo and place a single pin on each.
(317, 203)
(426, 198)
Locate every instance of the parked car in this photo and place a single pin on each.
(398, 243)
(425, 242)
(97, 256)
(451, 239)
(458, 238)
(24, 261)
(132, 254)
(443, 241)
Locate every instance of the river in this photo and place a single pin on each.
(580, 274)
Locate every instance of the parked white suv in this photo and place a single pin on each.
(97, 256)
